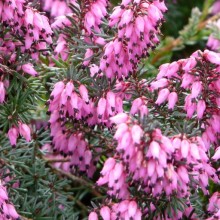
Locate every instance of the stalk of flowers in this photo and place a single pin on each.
(155, 164)
(92, 13)
(137, 24)
(126, 209)
(27, 24)
(7, 210)
(70, 103)
(196, 81)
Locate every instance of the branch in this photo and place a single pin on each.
(77, 179)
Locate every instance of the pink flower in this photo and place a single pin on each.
(2, 92)
(88, 56)
(172, 99)
(93, 216)
(201, 106)
(162, 96)
(196, 89)
(105, 212)
(216, 156)
(25, 131)
(212, 57)
(29, 68)
(13, 135)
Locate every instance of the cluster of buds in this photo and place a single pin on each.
(66, 101)
(22, 129)
(114, 174)
(196, 81)
(7, 210)
(73, 146)
(93, 13)
(213, 42)
(126, 209)
(214, 206)
(137, 23)
(155, 163)
(26, 23)
(71, 104)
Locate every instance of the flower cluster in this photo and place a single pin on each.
(28, 25)
(7, 210)
(196, 81)
(137, 23)
(114, 174)
(70, 103)
(154, 163)
(126, 209)
(93, 13)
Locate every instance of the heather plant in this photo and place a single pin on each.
(106, 112)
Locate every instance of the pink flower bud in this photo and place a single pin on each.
(84, 93)
(105, 212)
(58, 88)
(118, 170)
(162, 96)
(88, 56)
(12, 212)
(172, 99)
(69, 88)
(196, 89)
(159, 83)
(3, 193)
(201, 106)
(2, 92)
(185, 148)
(93, 216)
(137, 133)
(25, 131)
(216, 156)
(154, 148)
(132, 208)
(151, 166)
(108, 166)
(13, 135)
(136, 105)
(101, 107)
(212, 57)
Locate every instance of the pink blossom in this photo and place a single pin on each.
(201, 106)
(29, 68)
(105, 212)
(25, 131)
(216, 156)
(172, 99)
(162, 96)
(2, 92)
(93, 216)
(13, 135)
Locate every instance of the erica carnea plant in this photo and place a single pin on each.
(102, 116)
